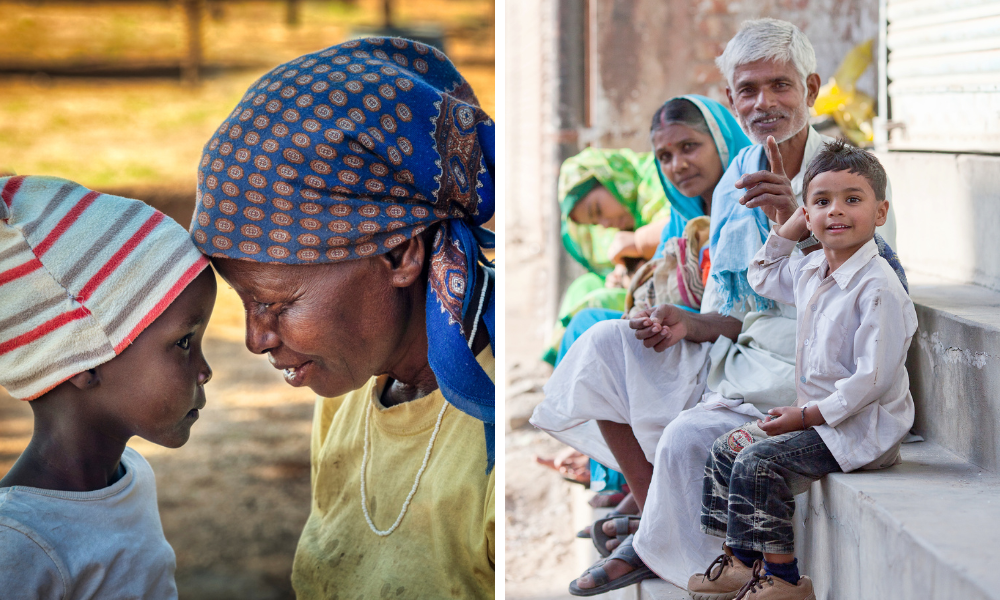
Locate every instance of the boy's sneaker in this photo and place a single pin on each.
(722, 580)
(762, 586)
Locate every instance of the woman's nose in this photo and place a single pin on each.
(261, 336)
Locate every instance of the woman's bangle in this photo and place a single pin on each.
(804, 419)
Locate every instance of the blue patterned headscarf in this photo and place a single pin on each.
(347, 153)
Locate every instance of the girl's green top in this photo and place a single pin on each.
(633, 180)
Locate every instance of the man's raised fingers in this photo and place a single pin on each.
(752, 179)
(774, 157)
(766, 200)
(773, 189)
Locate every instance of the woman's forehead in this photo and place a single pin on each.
(256, 278)
(672, 135)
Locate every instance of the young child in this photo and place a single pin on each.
(103, 305)
(854, 326)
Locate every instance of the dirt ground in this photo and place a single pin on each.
(542, 552)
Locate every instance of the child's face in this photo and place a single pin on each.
(155, 387)
(842, 211)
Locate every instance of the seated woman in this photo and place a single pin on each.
(613, 210)
(694, 139)
(343, 200)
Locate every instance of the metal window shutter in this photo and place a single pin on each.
(943, 70)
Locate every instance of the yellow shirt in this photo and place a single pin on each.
(444, 546)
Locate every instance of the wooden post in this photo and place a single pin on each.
(293, 12)
(191, 65)
(387, 14)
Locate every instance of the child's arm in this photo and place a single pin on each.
(770, 272)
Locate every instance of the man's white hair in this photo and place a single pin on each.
(768, 39)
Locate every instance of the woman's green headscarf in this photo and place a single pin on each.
(633, 180)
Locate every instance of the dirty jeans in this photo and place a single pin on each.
(749, 495)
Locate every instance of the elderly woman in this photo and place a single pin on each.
(343, 200)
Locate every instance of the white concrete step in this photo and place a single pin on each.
(924, 529)
(954, 367)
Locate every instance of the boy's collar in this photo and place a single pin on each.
(851, 266)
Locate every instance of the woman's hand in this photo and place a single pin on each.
(660, 327)
(770, 190)
(622, 247)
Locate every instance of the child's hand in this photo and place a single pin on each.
(659, 327)
(782, 420)
(795, 228)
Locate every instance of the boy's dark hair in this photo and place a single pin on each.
(840, 156)
(680, 111)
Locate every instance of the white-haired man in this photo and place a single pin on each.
(654, 415)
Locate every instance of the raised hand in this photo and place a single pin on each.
(770, 190)
(660, 327)
(795, 227)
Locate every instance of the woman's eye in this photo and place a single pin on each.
(185, 342)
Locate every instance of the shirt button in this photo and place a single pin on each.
(802, 379)
(806, 342)
(814, 307)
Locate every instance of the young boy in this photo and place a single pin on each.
(103, 305)
(854, 326)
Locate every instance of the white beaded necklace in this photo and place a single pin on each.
(416, 482)
(427, 454)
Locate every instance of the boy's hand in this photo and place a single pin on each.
(782, 420)
(795, 228)
(659, 327)
(770, 190)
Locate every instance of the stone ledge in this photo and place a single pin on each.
(922, 529)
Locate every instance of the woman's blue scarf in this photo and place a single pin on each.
(348, 152)
(729, 140)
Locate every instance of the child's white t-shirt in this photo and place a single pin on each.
(107, 543)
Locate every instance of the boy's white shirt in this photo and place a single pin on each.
(107, 543)
(853, 328)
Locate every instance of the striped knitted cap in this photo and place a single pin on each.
(81, 275)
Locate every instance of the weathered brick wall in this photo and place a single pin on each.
(646, 51)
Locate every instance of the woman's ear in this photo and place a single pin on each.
(406, 261)
(87, 380)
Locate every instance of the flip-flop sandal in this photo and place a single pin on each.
(585, 532)
(623, 552)
(601, 539)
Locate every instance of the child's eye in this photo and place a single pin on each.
(185, 342)
(854, 199)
